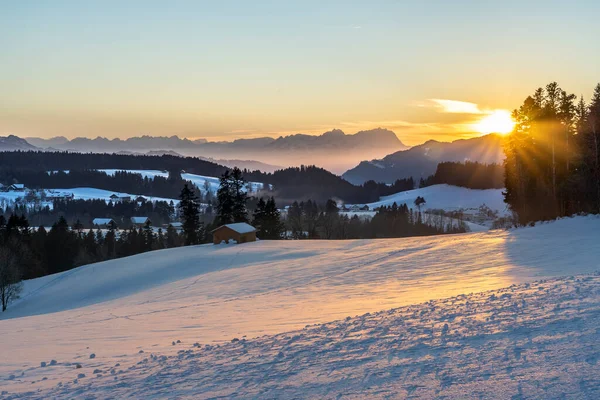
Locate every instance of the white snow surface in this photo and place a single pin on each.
(145, 173)
(197, 180)
(448, 198)
(214, 183)
(532, 340)
(84, 193)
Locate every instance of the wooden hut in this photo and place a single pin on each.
(240, 232)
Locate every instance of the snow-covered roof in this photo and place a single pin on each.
(18, 185)
(139, 220)
(101, 221)
(239, 227)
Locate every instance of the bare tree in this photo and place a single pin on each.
(10, 277)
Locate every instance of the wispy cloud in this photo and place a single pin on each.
(456, 106)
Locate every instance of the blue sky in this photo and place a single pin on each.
(238, 68)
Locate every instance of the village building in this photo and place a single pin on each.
(240, 232)
(17, 187)
(139, 221)
(115, 198)
(104, 222)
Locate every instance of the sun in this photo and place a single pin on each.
(498, 121)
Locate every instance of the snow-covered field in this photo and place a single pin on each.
(213, 183)
(448, 198)
(197, 180)
(145, 173)
(84, 193)
(531, 340)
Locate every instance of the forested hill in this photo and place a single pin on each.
(291, 184)
(310, 182)
(55, 161)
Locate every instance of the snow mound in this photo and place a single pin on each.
(448, 198)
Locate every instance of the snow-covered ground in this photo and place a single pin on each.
(145, 173)
(84, 193)
(448, 198)
(197, 180)
(214, 183)
(535, 340)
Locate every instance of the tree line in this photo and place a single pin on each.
(120, 181)
(46, 170)
(85, 211)
(309, 220)
(42, 161)
(472, 175)
(552, 166)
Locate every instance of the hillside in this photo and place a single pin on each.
(212, 294)
(447, 198)
(421, 161)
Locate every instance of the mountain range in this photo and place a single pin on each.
(333, 150)
(14, 143)
(421, 161)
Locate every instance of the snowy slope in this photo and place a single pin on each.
(84, 193)
(534, 340)
(145, 173)
(211, 294)
(197, 180)
(213, 183)
(447, 197)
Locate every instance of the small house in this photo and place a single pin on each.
(103, 222)
(114, 197)
(17, 187)
(140, 199)
(240, 232)
(364, 208)
(178, 226)
(139, 221)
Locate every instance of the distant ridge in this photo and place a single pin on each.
(333, 150)
(13, 143)
(421, 161)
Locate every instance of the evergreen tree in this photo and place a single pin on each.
(172, 239)
(189, 211)
(232, 198)
(240, 197)
(225, 200)
(295, 221)
(267, 220)
(148, 236)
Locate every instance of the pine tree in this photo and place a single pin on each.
(240, 197)
(224, 200)
(148, 235)
(189, 211)
(267, 220)
(232, 198)
(173, 239)
(294, 218)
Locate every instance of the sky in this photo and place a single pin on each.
(228, 69)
